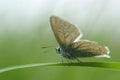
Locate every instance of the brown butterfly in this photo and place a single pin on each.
(71, 47)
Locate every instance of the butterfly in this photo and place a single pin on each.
(70, 46)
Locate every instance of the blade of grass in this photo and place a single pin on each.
(107, 65)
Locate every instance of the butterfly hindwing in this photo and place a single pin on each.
(85, 48)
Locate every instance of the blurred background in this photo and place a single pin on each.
(25, 28)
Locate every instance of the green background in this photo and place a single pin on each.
(24, 31)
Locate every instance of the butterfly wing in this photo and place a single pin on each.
(64, 31)
(85, 48)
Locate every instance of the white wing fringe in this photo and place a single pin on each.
(105, 55)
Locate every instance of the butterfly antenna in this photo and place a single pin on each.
(47, 47)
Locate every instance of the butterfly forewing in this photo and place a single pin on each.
(86, 48)
(64, 31)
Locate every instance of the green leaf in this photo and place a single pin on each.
(106, 65)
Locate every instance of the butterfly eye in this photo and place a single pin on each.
(58, 50)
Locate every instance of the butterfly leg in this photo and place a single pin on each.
(62, 59)
(78, 60)
(67, 60)
(70, 61)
